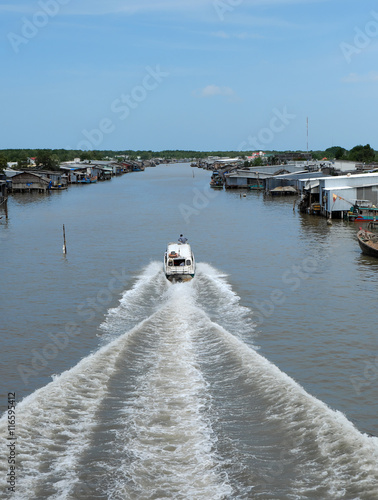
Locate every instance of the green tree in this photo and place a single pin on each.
(319, 155)
(86, 156)
(339, 153)
(42, 159)
(257, 162)
(333, 151)
(97, 155)
(144, 155)
(54, 162)
(3, 163)
(22, 162)
(361, 153)
(46, 160)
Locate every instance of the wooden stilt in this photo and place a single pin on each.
(64, 241)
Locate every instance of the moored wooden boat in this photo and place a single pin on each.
(368, 242)
(216, 181)
(361, 213)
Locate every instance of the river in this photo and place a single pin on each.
(257, 379)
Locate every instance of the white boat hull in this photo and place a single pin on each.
(179, 263)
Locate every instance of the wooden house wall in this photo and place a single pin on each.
(27, 182)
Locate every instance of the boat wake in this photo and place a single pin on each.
(177, 403)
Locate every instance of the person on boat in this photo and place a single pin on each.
(182, 239)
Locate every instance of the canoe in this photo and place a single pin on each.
(368, 242)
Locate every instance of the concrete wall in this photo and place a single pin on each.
(344, 166)
(368, 193)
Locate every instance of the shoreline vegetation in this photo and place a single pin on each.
(51, 158)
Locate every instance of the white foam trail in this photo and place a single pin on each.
(54, 424)
(346, 459)
(137, 303)
(164, 426)
(165, 439)
(216, 297)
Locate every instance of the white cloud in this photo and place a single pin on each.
(213, 90)
(245, 36)
(282, 2)
(240, 36)
(221, 34)
(99, 7)
(372, 76)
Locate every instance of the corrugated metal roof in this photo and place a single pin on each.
(353, 176)
(338, 188)
(301, 176)
(248, 175)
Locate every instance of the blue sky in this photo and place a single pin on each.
(188, 74)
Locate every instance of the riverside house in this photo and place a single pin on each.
(24, 182)
(334, 196)
(338, 194)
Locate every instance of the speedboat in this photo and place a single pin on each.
(179, 263)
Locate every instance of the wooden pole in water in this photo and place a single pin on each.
(64, 241)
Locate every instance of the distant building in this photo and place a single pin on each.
(344, 166)
(334, 196)
(256, 177)
(292, 156)
(57, 178)
(28, 182)
(258, 154)
(338, 194)
(12, 164)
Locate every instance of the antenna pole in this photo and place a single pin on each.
(307, 140)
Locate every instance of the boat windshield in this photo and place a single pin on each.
(179, 262)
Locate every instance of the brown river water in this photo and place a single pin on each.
(257, 379)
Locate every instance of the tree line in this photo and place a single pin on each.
(49, 159)
(363, 154)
